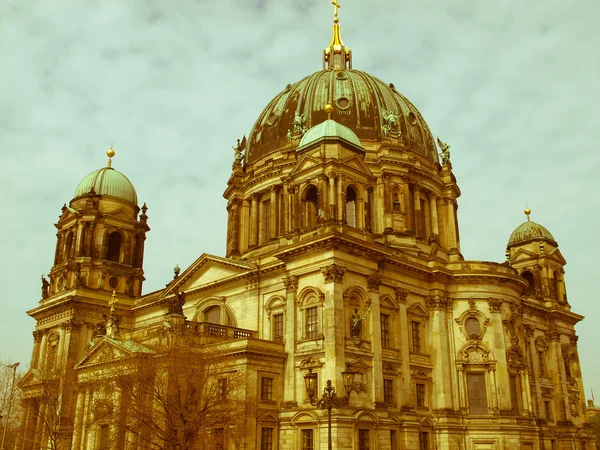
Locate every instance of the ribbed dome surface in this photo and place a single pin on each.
(529, 231)
(107, 181)
(328, 129)
(361, 103)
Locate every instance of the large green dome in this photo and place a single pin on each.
(107, 181)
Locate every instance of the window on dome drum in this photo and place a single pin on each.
(420, 395)
(266, 439)
(472, 327)
(266, 388)
(113, 251)
(542, 363)
(364, 443)
(312, 322)
(385, 330)
(308, 441)
(530, 291)
(265, 223)
(351, 206)
(423, 440)
(312, 207)
(477, 393)
(423, 213)
(278, 327)
(416, 336)
(68, 246)
(222, 388)
(388, 392)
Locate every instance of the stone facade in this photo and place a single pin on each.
(339, 257)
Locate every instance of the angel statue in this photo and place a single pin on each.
(239, 149)
(391, 122)
(356, 322)
(445, 148)
(298, 121)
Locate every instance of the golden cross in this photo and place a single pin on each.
(113, 301)
(336, 6)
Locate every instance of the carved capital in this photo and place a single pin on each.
(291, 283)
(529, 330)
(495, 305)
(437, 302)
(401, 294)
(449, 200)
(552, 334)
(70, 325)
(37, 336)
(333, 273)
(373, 282)
(573, 338)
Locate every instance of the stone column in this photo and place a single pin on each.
(57, 252)
(323, 212)
(333, 325)
(291, 286)
(78, 425)
(235, 227)
(286, 208)
(403, 341)
(450, 224)
(78, 239)
(499, 349)
(341, 204)
(438, 304)
(245, 225)
(373, 282)
(558, 375)
(35, 355)
(273, 224)
(254, 221)
(408, 211)
(419, 226)
(434, 216)
(360, 208)
(387, 207)
(332, 209)
(293, 208)
(43, 348)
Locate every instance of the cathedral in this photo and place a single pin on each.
(343, 297)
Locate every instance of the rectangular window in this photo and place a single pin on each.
(278, 327)
(393, 440)
(222, 388)
(542, 364)
(312, 323)
(266, 388)
(266, 439)
(265, 226)
(477, 393)
(103, 441)
(424, 440)
(420, 395)
(219, 439)
(363, 440)
(548, 411)
(423, 219)
(385, 330)
(388, 391)
(416, 337)
(514, 394)
(308, 442)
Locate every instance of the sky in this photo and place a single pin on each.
(512, 86)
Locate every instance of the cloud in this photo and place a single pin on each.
(511, 86)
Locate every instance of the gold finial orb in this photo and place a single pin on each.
(110, 153)
(527, 211)
(328, 109)
(336, 20)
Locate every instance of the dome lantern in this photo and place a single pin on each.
(336, 56)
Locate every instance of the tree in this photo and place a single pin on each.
(181, 395)
(10, 399)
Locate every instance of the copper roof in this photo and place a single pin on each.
(360, 102)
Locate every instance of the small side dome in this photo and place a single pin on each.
(329, 129)
(529, 231)
(108, 181)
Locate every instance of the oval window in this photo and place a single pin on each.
(472, 326)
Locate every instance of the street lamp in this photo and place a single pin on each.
(329, 399)
(12, 386)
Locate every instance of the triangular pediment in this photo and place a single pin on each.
(206, 269)
(523, 255)
(556, 255)
(357, 163)
(32, 378)
(305, 162)
(119, 214)
(417, 309)
(107, 350)
(268, 417)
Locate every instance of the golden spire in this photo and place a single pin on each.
(110, 153)
(527, 212)
(337, 56)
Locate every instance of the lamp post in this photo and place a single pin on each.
(329, 399)
(12, 387)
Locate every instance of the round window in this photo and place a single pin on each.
(113, 282)
(342, 103)
(472, 326)
(412, 118)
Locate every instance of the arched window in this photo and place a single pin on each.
(213, 314)
(312, 207)
(351, 206)
(396, 199)
(113, 252)
(530, 291)
(557, 286)
(68, 246)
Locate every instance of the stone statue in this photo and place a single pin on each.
(239, 150)
(176, 306)
(445, 148)
(45, 286)
(391, 123)
(298, 121)
(356, 322)
(101, 327)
